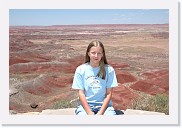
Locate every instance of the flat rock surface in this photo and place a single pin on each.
(70, 111)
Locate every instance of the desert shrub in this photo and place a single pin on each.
(61, 104)
(157, 103)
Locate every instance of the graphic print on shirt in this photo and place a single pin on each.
(94, 84)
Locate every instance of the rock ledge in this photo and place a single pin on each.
(70, 111)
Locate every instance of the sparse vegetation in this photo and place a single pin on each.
(157, 103)
(63, 103)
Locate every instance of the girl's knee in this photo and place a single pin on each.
(110, 111)
(80, 111)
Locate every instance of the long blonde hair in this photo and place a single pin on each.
(103, 61)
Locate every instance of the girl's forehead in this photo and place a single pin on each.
(96, 48)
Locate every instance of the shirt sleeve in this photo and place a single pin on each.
(111, 80)
(77, 80)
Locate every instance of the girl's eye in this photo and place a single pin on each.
(98, 53)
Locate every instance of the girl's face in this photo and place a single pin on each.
(95, 55)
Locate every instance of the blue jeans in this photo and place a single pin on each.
(81, 111)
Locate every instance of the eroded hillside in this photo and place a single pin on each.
(42, 61)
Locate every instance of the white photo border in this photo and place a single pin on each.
(171, 119)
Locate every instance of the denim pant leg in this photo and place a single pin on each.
(80, 110)
(110, 111)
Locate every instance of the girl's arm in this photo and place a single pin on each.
(106, 101)
(84, 102)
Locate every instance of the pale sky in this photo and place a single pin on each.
(47, 17)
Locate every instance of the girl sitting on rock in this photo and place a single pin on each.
(94, 81)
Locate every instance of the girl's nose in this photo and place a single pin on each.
(96, 54)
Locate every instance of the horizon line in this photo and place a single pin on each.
(86, 25)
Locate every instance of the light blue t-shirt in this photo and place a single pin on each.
(86, 79)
